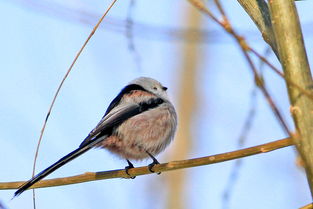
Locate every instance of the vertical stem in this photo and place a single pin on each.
(294, 60)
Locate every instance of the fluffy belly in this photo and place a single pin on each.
(150, 131)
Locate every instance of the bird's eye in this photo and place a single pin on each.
(155, 88)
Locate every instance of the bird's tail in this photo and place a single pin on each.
(57, 165)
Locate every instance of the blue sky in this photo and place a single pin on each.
(37, 47)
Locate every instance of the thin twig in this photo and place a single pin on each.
(281, 74)
(220, 9)
(60, 86)
(174, 165)
(259, 82)
(265, 92)
(244, 48)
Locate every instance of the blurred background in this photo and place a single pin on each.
(208, 80)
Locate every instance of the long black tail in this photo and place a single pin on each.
(57, 165)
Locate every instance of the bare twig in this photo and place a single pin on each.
(225, 24)
(60, 86)
(174, 165)
(307, 93)
(244, 48)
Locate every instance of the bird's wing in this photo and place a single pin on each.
(115, 117)
(112, 119)
(118, 115)
(126, 90)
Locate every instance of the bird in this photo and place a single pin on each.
(139, 123)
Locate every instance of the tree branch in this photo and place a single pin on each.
(225, 23)
(174, 165)
(294, 60)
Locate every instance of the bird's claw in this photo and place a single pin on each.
(151, 165)
(130, 165)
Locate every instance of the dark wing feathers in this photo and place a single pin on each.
(127, 89)
(111, 121)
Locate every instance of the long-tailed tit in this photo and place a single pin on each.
(139, 123)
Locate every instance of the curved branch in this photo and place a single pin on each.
(174, 165)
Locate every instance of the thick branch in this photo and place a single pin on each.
(296, 69)
(174, 165)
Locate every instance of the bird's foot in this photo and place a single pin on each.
(151, 165)
(130, 165)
